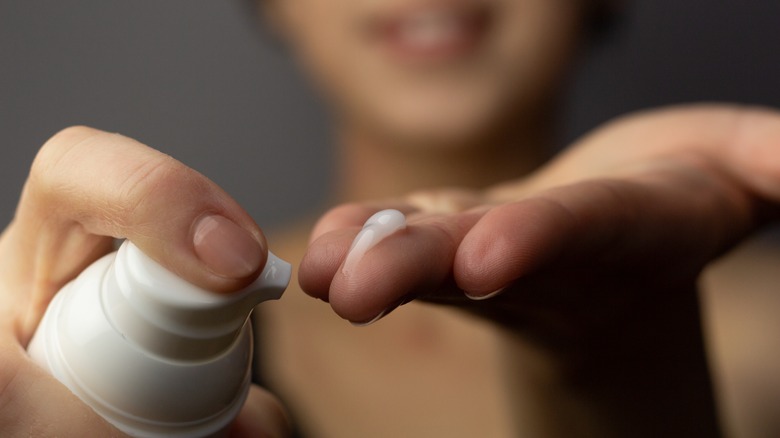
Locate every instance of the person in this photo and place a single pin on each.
(568, 285)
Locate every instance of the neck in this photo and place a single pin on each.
(377, 168)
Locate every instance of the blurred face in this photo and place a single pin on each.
(432, 71)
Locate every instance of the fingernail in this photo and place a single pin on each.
(384, 313)
(381, 315)
(225, 248)
(484, 297)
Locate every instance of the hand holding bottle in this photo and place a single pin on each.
(87, 187)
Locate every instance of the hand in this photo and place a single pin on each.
(591, 263)
(87, 187)
(670, 189)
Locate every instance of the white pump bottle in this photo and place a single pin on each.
(153, 354)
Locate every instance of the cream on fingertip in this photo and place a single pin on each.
(378, 227)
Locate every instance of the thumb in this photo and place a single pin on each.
(87, 184)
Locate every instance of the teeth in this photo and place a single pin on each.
(430, 29)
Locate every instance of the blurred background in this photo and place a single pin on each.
(202, 81)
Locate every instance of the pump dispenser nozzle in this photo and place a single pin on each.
(173, 318)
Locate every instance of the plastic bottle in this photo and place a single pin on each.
(153, 354)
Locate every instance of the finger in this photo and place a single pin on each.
(322, 261)
(330, 240)
(753, 153)
(33, 403)
(85, 184)
(423, 202)
(663, 224)
(261, 417)
(325, 257)
(443, 201)
(744, 141)
(412, 262)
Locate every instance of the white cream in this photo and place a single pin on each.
(376, 228)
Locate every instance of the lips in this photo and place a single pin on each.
(432, 32)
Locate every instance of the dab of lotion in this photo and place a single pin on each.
(376, 228)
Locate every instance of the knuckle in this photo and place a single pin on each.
(95, 182)
(74, 133)
(45, 176)
(57, 147)
(145, 185)
(91, 173)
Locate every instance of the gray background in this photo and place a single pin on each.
(199, 80)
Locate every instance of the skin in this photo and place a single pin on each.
(468, 122)
(568, 348)
(659, 213)
(469, 147)
(65, 221)
(430, 104)
(455, 122)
